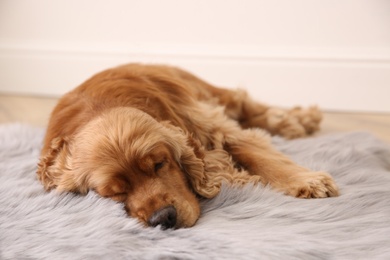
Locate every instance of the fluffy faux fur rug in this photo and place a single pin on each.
(249, 223)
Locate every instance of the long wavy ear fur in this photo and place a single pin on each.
(190, 155)
(191, 161)
(54, 166)
(216, 168)
(206, 169)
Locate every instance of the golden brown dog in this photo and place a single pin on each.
(157, 138)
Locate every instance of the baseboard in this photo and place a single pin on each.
(349, 80)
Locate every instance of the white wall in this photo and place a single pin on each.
(334, 53)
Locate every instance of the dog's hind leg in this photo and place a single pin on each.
(289, 123)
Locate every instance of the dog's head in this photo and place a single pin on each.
(126, 155)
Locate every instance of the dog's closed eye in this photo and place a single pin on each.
(158, 166)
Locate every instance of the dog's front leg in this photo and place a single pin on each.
(252, 149)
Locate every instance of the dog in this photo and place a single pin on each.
(159, 139)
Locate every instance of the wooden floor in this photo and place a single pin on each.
(36, 111)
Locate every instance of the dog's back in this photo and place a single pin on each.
(163, 92)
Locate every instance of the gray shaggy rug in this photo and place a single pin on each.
(250, 223)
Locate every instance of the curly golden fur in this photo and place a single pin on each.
(157, 138)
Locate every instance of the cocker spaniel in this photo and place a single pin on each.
(158, 139)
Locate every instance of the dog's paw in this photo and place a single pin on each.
(309, 118)
(294, 123)
(282, 123)
(311, 185)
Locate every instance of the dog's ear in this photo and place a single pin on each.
(193, 166)
(54, 167)
(189, 153)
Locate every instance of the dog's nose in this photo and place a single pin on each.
(166, 217)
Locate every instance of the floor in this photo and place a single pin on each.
(36, 111)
